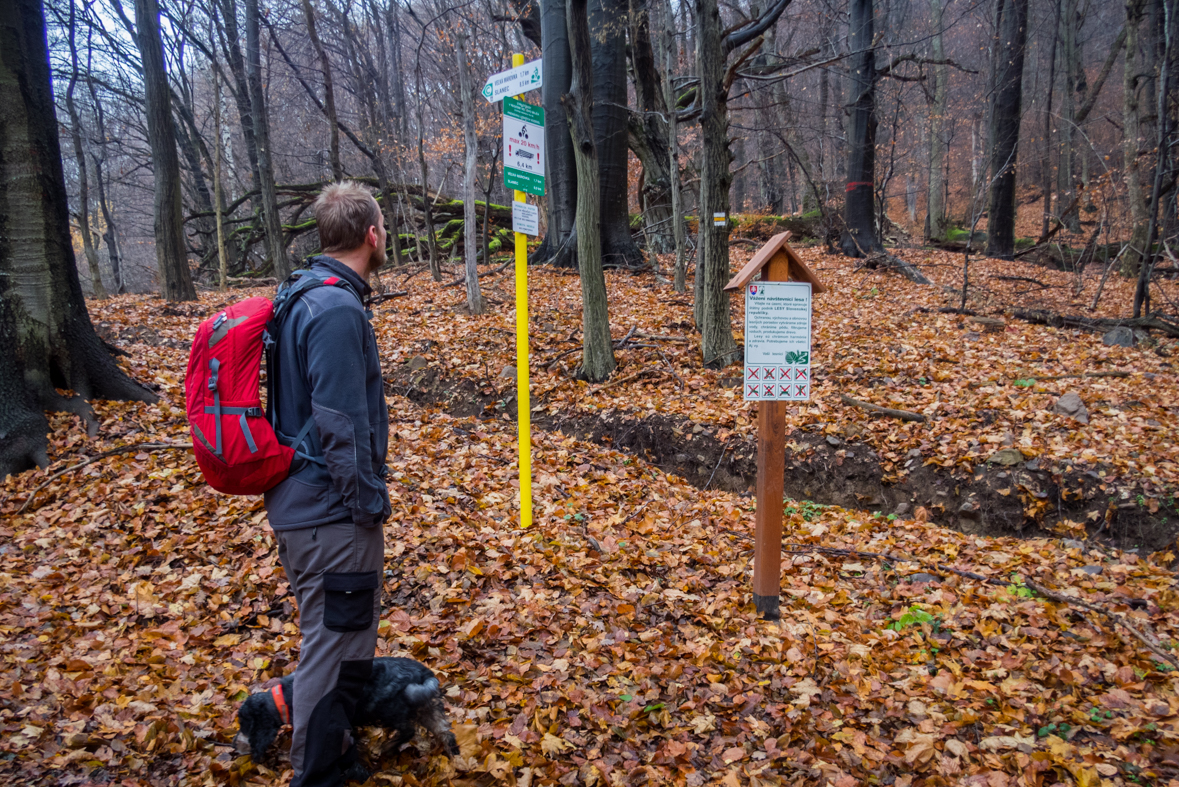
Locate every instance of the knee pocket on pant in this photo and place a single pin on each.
(348, 600)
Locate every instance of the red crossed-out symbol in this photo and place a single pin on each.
(800, 374)
(752, 373)
(800, 390)
(783, 374)
(769, 390)
(753, 390)
(769, 371)
(783, 390)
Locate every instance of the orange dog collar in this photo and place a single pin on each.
(284, 712)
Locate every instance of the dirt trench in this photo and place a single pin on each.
(993, 500)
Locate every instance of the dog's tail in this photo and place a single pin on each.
(420, 693)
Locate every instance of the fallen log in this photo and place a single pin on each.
(386, 296)
(1027, 279)
(904, 415)
(1151, 322)
(893, 262)
(662, 338)
(1085, 374)
(462, 279)
(251, 281)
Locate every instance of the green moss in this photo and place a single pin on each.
(960, 235)
(451, 230)
(636, 221)
(1024, 243)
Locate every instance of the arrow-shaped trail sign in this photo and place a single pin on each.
(513, 82)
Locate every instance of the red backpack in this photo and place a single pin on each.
(236, 444)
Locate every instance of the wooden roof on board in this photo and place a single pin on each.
(798, 269)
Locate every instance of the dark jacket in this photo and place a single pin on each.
(327, 368)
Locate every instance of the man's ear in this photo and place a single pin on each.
(372, 237)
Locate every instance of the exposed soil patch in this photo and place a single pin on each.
(1021, 499)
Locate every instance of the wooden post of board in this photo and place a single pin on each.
(776, 261)
(771, 478)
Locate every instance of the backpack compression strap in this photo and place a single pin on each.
(217, 411)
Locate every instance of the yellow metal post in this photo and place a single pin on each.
(523, 403)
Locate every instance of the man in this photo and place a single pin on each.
(328, 514)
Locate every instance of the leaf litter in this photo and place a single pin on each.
(615, 642)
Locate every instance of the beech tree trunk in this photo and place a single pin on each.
(470, 227)
(1132, 142)
(329, 99)
(935, 215)
(276, 249)
(559, 246)
(194, 155)
(1162, 131)
(1070, 59)
(606, 18)
(241, 95)
(1012, 34)
(859, 208)
(717, 345)
(80, 156)
(1046, 163)
(597, 348)
(110, 234)
(171, 253)
(665, 50)
(222, 261)
(46, 338)
(648, 131)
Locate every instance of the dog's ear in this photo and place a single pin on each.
(259, 723)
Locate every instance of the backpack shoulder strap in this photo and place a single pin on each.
(297, 284)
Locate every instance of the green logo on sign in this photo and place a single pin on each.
(535, 75)
(487, 91)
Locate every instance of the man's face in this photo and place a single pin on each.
(379, 257)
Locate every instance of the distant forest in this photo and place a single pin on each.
(1056, 103)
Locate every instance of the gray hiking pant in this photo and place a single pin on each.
(335, 573)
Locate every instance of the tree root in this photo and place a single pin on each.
(630, 377)
(91, 459)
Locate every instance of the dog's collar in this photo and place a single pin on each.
(284, 712)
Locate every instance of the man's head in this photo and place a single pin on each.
(351, 226)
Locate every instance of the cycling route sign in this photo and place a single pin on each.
(523, 146)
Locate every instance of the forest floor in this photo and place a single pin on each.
(973, 611)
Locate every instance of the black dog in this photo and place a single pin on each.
(400, 694)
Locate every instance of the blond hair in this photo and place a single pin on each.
(343, 212)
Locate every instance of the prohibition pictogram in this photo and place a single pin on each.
(777, 383)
